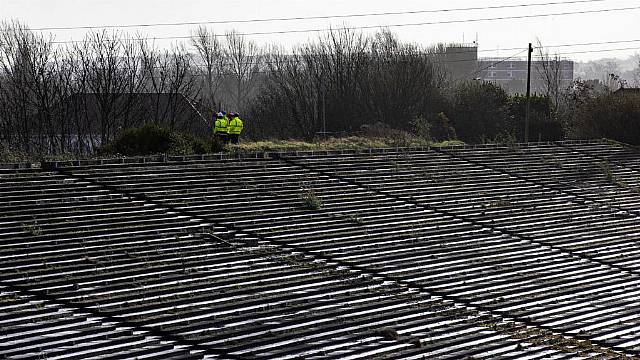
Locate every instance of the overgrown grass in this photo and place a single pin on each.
(150, 140)
(344, 143)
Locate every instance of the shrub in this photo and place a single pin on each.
(216, 145)
(543, 122)
(614, 116)
(480, 111)
(375, 130)
(434, 127)
(421, 127)
(311, 200)
(441, 128)
(8, 155)
(152, 139)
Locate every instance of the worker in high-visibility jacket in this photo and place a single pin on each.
(235, 128)
(221, 128)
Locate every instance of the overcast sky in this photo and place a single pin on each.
(499, 34)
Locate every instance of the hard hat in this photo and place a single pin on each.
(220, 114)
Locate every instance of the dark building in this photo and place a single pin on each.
(171, 110)
(90, 119)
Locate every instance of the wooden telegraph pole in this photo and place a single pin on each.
(526, 115)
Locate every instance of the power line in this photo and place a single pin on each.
(475, 49)
(470, 75)
(446, 21)
(86, 27)
(500, 59)
(593, 51)
(441, 22)
(590, 43)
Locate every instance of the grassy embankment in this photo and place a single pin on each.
(352, 142)
(345, 143)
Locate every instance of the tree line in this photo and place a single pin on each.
(77, 96)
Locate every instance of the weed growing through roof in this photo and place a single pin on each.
(396, 166)
(387, 333)
(607, 171)
(32, 229)
(311, 200)
(356, 219)
(544, 337)
(509, 141)
(9, 297)
(390, 334)
(552, 160)
(500, 203)
(605, 167)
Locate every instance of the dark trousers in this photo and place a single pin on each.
(234, 138)
(222, 137)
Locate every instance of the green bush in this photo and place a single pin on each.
(480, 111)
(152, 139)
(421, 127)
(612, 116)
(433, 127)
(9, 155)
(543, 122)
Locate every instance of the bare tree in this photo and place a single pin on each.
(171, 79)
(346, 80)
(31, 90)
(102, 58)
(636, 73)
(182, 85)
(14, 60)
(244, 59)
(134, 78)
(212, 65)
(550, 71)
(156, 67)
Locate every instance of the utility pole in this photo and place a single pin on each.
(526, 114)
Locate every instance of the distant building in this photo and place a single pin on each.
(511, 74)
(461, 61)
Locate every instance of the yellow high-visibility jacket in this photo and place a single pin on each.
(235, 126)
(221, 126)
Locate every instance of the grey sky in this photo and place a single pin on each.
(503, 34)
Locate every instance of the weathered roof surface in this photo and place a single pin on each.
(482, 252)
